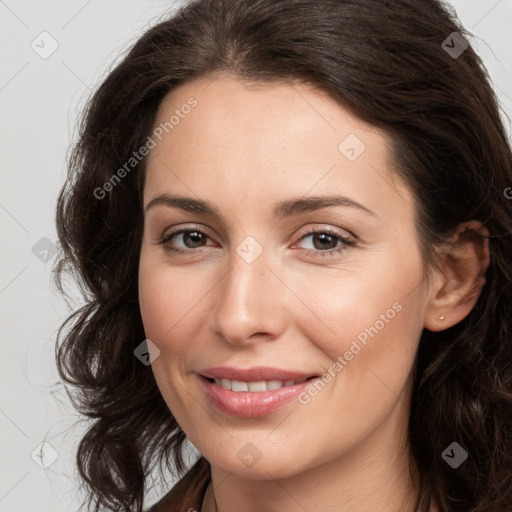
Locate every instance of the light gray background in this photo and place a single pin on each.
(39, 102)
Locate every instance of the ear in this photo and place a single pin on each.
(460, 278)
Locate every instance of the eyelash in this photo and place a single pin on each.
(346, 242)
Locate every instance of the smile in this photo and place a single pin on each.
(253, 392)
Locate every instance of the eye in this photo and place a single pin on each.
(327, 242)
(190, 238)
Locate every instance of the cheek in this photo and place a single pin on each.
(166, 311)
(379, 306)
(368, 328)
(166, 299)
(367, 324)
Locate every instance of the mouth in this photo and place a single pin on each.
(252, 393)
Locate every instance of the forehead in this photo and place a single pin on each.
(252, 138)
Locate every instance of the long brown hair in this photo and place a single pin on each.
(390, 63)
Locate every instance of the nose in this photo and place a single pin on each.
(250, 302)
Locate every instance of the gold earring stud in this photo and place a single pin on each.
(441, 317)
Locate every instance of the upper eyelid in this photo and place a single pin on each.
(185, 229)
(329, 230)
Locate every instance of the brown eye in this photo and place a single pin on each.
(191, 239)
(327, 243)
(183, 240)
(323, 241)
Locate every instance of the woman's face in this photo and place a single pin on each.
(245, 290)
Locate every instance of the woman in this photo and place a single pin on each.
(291, 225)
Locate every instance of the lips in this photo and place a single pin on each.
(252, 392)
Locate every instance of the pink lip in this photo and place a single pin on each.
(249, 404)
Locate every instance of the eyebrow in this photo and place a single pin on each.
(281, 209)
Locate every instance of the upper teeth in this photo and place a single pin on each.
(264, 385)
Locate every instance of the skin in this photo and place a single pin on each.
(243, 148)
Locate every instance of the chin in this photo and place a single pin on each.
(256, 457)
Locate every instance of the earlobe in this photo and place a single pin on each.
(460, 278)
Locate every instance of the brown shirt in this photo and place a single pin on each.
(187, 495)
